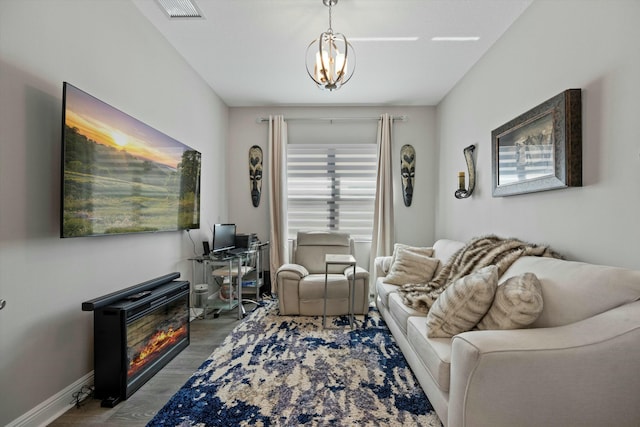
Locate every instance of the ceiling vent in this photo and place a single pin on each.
(180, 8)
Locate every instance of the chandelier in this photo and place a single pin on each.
(331, 59)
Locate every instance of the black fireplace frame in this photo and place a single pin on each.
(112, 314)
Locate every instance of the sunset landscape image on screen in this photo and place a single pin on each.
(122, 176)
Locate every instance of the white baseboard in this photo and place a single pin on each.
(53, 407)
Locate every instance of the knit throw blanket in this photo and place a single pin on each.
(478, 253)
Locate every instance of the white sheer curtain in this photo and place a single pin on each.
(382, 237)
(277, 195)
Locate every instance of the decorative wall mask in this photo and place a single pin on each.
(255, 174)
(408, 171)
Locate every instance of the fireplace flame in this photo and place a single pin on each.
(156, 345)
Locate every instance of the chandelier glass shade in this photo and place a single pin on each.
(330, 58)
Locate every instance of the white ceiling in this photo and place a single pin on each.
(252, 52)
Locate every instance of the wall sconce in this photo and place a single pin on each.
(462, 192)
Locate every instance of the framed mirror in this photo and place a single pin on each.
(541, 149)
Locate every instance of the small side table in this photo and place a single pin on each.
(346, 260)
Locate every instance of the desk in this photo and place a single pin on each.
(254, 257)
(229, 271)
(346, 260)
(234, 266)
(226, 269)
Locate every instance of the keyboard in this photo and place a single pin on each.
(238, 251)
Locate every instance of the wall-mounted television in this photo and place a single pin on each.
(120, 175)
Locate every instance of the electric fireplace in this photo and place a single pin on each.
(137, 331)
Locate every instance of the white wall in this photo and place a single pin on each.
(109, 50)
(553, 46)
(414, 224)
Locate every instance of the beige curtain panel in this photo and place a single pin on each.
(277, 195)
(382, 237)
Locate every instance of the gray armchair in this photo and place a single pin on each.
(301, 284)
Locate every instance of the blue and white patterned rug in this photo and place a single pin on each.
(277, 370)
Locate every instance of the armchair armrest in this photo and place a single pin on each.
(382, 265)
(361, 273)
(585, 373)
(292, 271)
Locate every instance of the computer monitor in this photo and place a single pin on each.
(224, 237)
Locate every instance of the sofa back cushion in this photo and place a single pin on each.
(312, 246)
(573, 291)
(444, 249)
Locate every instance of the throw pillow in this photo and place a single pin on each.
(401, 246)
(463, 303)
(517, 304)
(411, 265)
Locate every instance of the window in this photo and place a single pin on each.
(331, 187)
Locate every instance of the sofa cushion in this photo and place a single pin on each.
(411, 265)
(574, 291)
(311, 287)
(434, 353)
(461, 306)
(400, 312)
(518, 303)
(444, 249)
(383, 290)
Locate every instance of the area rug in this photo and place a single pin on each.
(277, 370)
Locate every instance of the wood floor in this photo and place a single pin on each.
(206, 335)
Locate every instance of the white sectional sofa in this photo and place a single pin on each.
(578, 364)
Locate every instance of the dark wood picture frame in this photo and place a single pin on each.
(541, 149)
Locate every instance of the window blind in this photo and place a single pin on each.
(331, 187)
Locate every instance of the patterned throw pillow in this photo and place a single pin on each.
(411, 265)
(463, 303)
(517, 304)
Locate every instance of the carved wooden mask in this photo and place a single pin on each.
(407, 169)
(255, 174)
